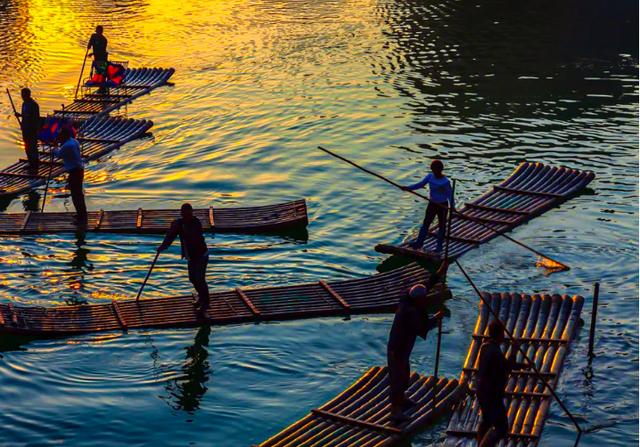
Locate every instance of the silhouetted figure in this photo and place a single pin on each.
(31, 123)
(493, 372)
(441, 195)
(71, 156)
(99, 44)
(194, 249)
(411, 321)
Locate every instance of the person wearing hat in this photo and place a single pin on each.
(441, 198)
(194, 249)
(411, 321)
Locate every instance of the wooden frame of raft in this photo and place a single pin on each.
(360, 414)
(545, 325)
(375, 294)
(531, 190)
(256, 219)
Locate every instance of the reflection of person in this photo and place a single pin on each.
(493, 372)
(441, 195)
(99, 44)
(189, 388)
(194, 249)
(411, 321)
(30, 125)
(71, 156)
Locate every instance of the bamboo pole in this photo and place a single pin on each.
(391, 182)
(594, 316)
(144, 283)
(84, 61)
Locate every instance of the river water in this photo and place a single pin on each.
(258, 86)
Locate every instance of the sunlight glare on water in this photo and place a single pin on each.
(258, 86)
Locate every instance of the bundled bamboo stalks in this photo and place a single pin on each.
(376, 294)
(532, 189)
(545, 324)
(360, 414)
(268, 218)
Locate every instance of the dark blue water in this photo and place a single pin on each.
(482, 85)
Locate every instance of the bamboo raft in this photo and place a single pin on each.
(532, 189)
(99, 136)
(375, 294)
(546, 325)
(137, 82)
(98, 133)
(270, 218)
(360, 414)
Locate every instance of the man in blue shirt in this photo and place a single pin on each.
(441, 195)
(71, 156)
(30, 125)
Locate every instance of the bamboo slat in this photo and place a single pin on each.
(529, 191)
(360, 414)
(266, 218)
(374, 294)
(545, 326)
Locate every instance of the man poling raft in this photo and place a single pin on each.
(71, 156)
(30, 125)
(194, 249)
(493, 373)
(411, 321)
(98, 42)
(441, 195)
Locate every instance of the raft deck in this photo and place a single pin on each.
(137, 82)
(531, 190)
(375, 294)
(268, 218)
(360, 414)
(545, 325)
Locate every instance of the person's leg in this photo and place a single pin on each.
(429, 215)
(197, 276)
(31, 149)
(442, 212)
(76, 178)
(396, 385)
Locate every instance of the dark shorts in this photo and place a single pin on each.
(494, 414)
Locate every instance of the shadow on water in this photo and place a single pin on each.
(186, 391)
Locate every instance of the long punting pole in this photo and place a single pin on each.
(13, 106)
(144, 283)
(523, 245)
(86, 53)
(46, 187)
(594, 316)
(530, 362)
(444, 280)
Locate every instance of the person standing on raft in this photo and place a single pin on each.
(493, 373)
(71, 156)
(194, 249)
(441, 197)
(30, 125)
(98, 42)
(411, 320)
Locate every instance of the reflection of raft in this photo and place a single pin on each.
(98, 133)
(374, 294)
(359, 416)
(532, 189)
(545, 324)
(244, 220)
